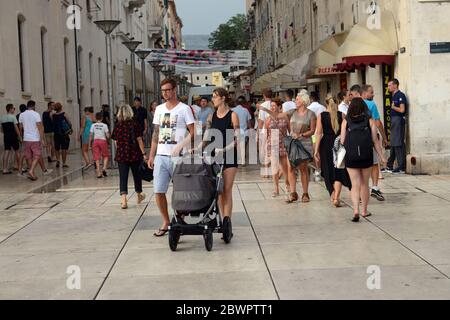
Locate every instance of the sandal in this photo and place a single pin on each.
(305, 198)
(160, 233)
(32, 178)
(355, 218)
(275, 194)
(293, 197)
(367, 215)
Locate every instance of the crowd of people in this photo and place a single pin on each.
(349, 121)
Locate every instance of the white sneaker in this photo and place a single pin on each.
(21, 175)
(48, 172)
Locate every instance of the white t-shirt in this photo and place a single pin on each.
(263, 115)
(317, 108)
(244, 117)
(288, 106)
(343, 107)
(29, 120)
(172, 126)
(99, 130)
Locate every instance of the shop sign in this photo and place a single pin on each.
(387, 99)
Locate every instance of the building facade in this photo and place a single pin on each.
(328, 45)
(39, 51)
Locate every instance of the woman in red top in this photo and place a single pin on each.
(130, 152)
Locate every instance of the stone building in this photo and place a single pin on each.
(328, 45)
(38, 51)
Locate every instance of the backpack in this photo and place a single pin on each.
(358, 142)
(65, 128)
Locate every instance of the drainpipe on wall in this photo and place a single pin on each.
(77, 64)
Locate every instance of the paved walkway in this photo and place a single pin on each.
(280, 251)
(10, 184)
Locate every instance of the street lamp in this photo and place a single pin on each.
(132, 46)
(107, 26)
(142, 54)
(167, 72)
(157, 67)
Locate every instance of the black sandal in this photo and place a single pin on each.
(355, 218)
(367, 215)
(160, 233)
(293, 197)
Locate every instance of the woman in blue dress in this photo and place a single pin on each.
(86, 123)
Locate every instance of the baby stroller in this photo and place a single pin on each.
(197, 185)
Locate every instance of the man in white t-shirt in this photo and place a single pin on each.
(344, 97)
(172, 121)
(315, 106)
(33, 139)
(262, 116)
(289, 104)
(245, 122)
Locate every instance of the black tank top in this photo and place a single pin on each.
(224, 124)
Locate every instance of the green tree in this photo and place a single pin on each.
(231, 35)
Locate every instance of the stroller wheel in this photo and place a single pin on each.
(208, 237)
(227, 230)
(174, 237)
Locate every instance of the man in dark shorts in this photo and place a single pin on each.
(399, 110)
(47, 121)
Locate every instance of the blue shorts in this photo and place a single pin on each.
(164, 167)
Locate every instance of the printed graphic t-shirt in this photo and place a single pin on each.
(172, 126)
(99, 131)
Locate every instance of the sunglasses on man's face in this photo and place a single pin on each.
(166, 90)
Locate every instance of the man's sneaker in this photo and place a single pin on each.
(398, 171)
(377, 194)
(48, 172)
(386, 170)
(22, 175)
(49, 159)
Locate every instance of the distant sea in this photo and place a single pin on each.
(196, 42)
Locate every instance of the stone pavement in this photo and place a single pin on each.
(280, 251)
(14, 184)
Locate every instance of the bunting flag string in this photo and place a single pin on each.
(202, 57)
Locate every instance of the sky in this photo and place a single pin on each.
(204, 16)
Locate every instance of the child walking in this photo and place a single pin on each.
(100, 135)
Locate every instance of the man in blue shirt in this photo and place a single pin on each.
(205, 112)
(398, 128)
(368, 95)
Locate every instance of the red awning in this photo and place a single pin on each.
(350, 64)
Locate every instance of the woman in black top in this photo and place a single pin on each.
(354, 126)
(226, 122)
(328, 129)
